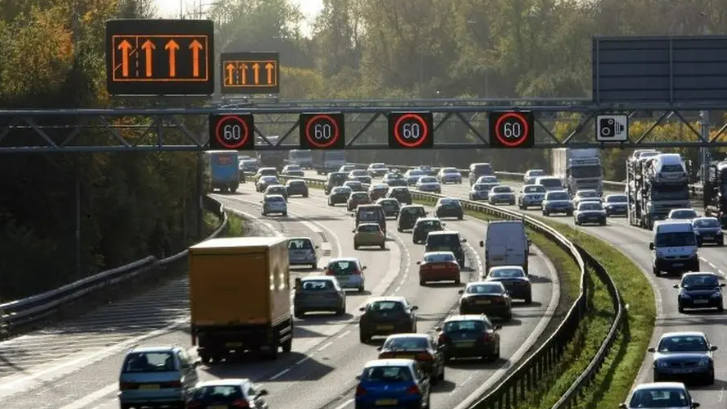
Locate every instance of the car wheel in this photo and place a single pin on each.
(680, 308)
(314, 265)
(508, 317)
(460, 217)
(285, 214)
(355, 246)
(363, 337)
(441, 374)
(457, 282)
(298, 314)
(720, 243)
(720, 307)
(287, 346)
(361, 289)
(422, 283)
(383, 246)
(529, 299)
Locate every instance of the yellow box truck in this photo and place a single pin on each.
(239, 290)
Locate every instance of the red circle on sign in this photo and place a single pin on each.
(220, 138)
(402, 141)
(312, 122)
(523, 122)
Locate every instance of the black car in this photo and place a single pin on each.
(366, 180)
(469, 336)
(684, 356)
(391, 207)
(490, 298)
(616, 205)
(423, 226)
(699, 290)
(276, 190)
(296, 188)
(335, 179)
(402, 194)
(408, 216)
(447, 241)
(448, 207)
(708, 230)
(515, 280)
(422, 348)
(356, 186)
(339, 194)
(386, 316)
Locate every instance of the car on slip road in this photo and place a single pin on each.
(227, 393)
(302, 252)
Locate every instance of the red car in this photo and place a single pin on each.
(438, 266)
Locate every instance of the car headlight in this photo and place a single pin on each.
(717, 294)
(684, 295)
(662, 364)
(704, 361)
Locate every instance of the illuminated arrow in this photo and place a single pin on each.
(125, 46)
(256, 70)
(230, 69)
(149, 47)
(269, 67)
(243, 71)
(172, 46)
(195, 47)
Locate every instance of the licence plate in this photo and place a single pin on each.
(436, 267)
(233, 344)
(681, 370)
(464, 344)
(482, 302)
(708, 237)
(701, 301)
(386, 402)
(155, 386)
(385, 327)
(678, 264)
(218, 407)
(405, 356)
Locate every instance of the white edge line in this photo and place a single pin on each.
(346, 403)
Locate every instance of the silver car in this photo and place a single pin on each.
(348, 271)
(318, 293)
(274, 204)
(501, 194)
(531, 195)
(302, 252)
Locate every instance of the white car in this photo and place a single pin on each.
(585, 195)
(377, 169)
(429, 184)
(501, 194)
(682, 214)
(449, 175)
(589, 212)
(672, 395)
(274, 204)
(532, 175)
(488, 180)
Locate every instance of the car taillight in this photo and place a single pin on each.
(125, 386)
(425, 357)
(360, 391)
(486, 336)
(497, 299)
(443, 338)
(193, 404)
(413, 390)
(239, 403)
(357, 272)
(174, 384)
(328, 272)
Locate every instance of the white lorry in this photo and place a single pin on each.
(579, 169)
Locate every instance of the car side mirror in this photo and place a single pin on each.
(676, 286)
(460, 291)
(195, 364)
(358, 377)
(651, 246)
(438, 328)
(651, 349)
(353, 231)
(362, 309)
(498, 327)
(364, 268)
(464, 240)
(419, 262)
(414, 308)
(378, 348)
(316, 247)
(695, 404)
(482, 244)
(722, 285)
(713, 348)
(262, 392)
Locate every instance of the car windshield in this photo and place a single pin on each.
(149, 362)
(659, 398)
(273, 199)
(369, 228)
(438, 257)
(369, 215)
(707, 223)
(416, 173)
(406, 343)
(218, 393)
(443, 240)
(480, 187)
(296, 183)
(484, 289)
(359, 172)
(588, 193)
(507, 273)
(378, 166)
(317, 285)
(683, 214)
(502, 189)
(675, 239)
(465, 326)
(449, 202)
(534, 189)
(389, 204)
(343, 267)
(359, 196)
(616, 199)
(429, 225)
(300, 244)
(450, 170)
(536, 172)
(700, 280)
(394, 176)
(428, 180)
(269, 179)
(590, 206)
(558, 196)
(685, 343)
(275, 189)
(549, 182)
(387, 374)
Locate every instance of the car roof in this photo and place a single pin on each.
(410, 335)
(296, 181)
(587, 191)
(532, 185)
(705, 218)
(380, 186)
(223, 382)
(435, 253)
(683, 209)
(506, 268)
(389, 362)
(274, 196)
(333, 260)
(367, 224)
(428, 219)
(466, 317)
(683, 334)
(412, 206)
(557, 191)
(385, 298)
(156, 348)
(301, 238)
(660, 385)
(443, 233)
(474, 283)
(699, 273)
(318, 278)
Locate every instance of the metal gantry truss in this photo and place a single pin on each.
(459, 124)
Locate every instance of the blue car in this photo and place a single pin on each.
(393, 383)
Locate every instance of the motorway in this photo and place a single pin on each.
(634, 243)
(75, 364)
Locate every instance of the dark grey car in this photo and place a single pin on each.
(708, 230)
(684, 356)
(318, 293)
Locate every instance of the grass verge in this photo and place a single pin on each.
(628, 351)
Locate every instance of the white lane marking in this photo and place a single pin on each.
(88, 399)
(304, 359)
(480, 271)
(397, 289)
(344, 404)
(279, 374)
(325, 346)
(721, 273)
(262, 222)
(344, 334)
(721, 395)
(460, 385)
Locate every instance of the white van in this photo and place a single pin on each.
(550, 183)
(674, 247)
(506, 244)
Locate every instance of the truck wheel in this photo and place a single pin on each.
(529, 299)
(288, 345)
(272, 354)
(305, 194)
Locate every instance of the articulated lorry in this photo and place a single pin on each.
(301, 157)
(578, 169)
(655, 185)
(715, 192)
(275, 158)
(325, 162)
(239, 291)
(223, 170)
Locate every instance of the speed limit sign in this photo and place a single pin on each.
(322, 131)
(513, 129)
(232, 132)
(410, 130)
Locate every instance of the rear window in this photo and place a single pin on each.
(672, 168)
(488, 179)
(275, 199)
(417, 173)
(380, 187)
(683, 214)
(294, 168)
(369, 215)
(484, 289)
(590, 206)
(437, 257)
(359, 195)
(317, 285)
(149, 362)
(300, 244)
(337, 177)
(550, 182)
(701, 280)
(507, 273)
(429, 224)
(449, 202)
(465, 326)
(377, 166)
(707, 223)
(534, 189)
(359, 172)
(443, 240)
(369, 228)
(413, 210)
(343, 267)
(387, 374)
(267, 171)
(296, 183)
(502, 189)
(386, 306)
(428, 180)
(450, 170)
(616, 199)
(558, 196)
(341, 190)
(218, 393)
(483, 169)
(407, 343)
(588, 194)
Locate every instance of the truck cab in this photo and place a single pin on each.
(674, 247)
(579, 169)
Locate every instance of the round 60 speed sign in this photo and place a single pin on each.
(231, 132)
(410, 130)
(322, 131)
(511, 129)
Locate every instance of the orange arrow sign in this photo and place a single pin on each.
(195, 47)
(256, 70)
(172, 46)
(125, 46)
(243, 70)
(149, 47)
(230, 70)
(269, 67)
